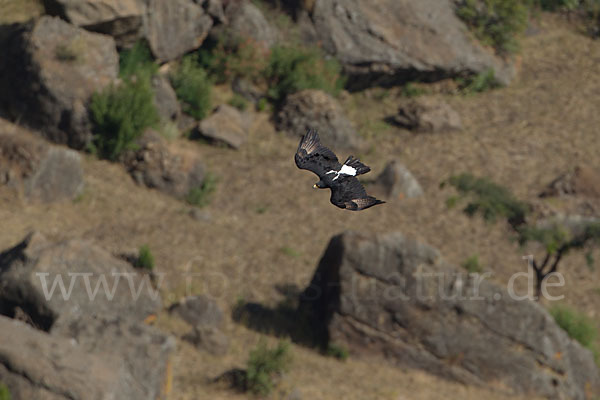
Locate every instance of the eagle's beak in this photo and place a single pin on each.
(315, 186)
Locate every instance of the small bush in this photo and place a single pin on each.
(412, 90)
(489, 199)
(577, 325)
(145, 258)
(497, 23)
(481, 82)
(291, 252)
(4, 392)
(120, 114)
(472, 264)
(192, 86)
(201, 196)
(293, 68)
(137, 61)
(264, 365)
(338, 352)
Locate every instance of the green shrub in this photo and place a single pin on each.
(481, 82)
(137, 61)
(4, 392)
(410, 89)
(264, 365)
(489, 199)
(336, 351)
(119, 115)
(201, 196)
(145, 258)
(554, 5)
(577, 325)
(472, 264)
(192, 86)
(497, 23)
(294, 68)
(231, 56)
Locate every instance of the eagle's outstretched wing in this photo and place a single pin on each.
(315, 157)
(348, 193)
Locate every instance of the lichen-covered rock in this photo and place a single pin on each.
(53, 71)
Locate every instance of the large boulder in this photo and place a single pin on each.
(384, 42)
(56, 283)
(36, 365)
(42, 172)
(157, 164)
(53, 71)
(97, 359)
(315, 109)
(391, 295)
(122, 19)
(175, 27)
(143, 349)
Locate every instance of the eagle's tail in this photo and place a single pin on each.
(357, 165)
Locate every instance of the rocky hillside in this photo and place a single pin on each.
(160, 243)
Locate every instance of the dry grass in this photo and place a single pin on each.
(19, 10)
(521, 137)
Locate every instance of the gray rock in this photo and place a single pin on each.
(143, 349)
(226, 125)
(41, 171)
(93, 283)
(54, 70)
(36, 365)
(391, 295)
(199, 311)
(247, 90)
(318, 110)
(121, 19)
(206, 319)
(157, 165)
(175, 27)
(428, 114)
(397, 181)
(165, 99)
(382, 42)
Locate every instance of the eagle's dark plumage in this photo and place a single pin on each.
(346, 190)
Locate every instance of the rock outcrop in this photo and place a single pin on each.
(121, 19)
(384, 42)
(55, 284)
(394, 296)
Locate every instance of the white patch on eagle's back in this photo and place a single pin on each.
(347, 170)
(331, 172)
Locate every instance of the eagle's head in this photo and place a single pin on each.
(320, 185)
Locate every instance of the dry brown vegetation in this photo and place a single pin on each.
(522, 137)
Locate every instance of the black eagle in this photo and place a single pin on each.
(346, 190)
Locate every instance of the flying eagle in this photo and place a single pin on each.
(346, 190)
